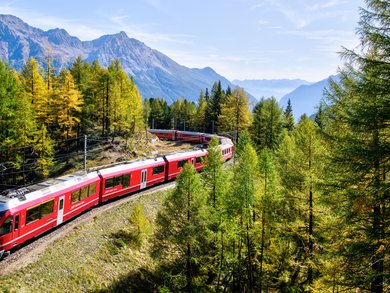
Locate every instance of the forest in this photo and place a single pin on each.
(304, 207)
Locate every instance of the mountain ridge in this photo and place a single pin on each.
(155, 74)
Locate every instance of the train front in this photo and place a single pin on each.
(4, 227)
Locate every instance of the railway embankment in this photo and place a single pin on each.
(90, 254)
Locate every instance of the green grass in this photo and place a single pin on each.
(91, 257)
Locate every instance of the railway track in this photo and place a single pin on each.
(30, 252)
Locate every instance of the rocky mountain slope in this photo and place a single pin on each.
(155, 74)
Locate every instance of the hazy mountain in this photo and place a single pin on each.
(306, 98)
(270, 87)
(155, 74)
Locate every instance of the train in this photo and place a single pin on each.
(27, 212)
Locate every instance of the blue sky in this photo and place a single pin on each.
(240, 39)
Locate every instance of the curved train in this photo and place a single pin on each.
(27, 212)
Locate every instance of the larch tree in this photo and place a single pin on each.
(359, 128)
(68, 105)
(235, 115)
(35, 88)
(16, 118)
(200, 117)
(267, 124)
(181, 235)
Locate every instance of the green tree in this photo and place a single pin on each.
(200, 117)
(181, 232)
(16, 118)
(288, 117)
(68, 105)
(235, 115)
(267, 124)
(44, 150)
(359, 120)
(35, 88)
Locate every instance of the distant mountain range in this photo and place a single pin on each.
(155, 74)
(267, 88)
(306, 98)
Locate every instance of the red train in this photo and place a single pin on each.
(27, 212)
(188, 136)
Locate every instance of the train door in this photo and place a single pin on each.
(173, 135)
(15, 232)
(60, 214)
(143, 178)
(193, 161)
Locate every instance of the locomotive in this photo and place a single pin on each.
(27, 212)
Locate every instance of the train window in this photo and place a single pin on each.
(76, 196)
(47, 208)
(125, 180)
(32, 215)
(92, 189)
(109, 183)
(117, 181)
(158, 170)
(181, 163)
(6, 227)
(16, 226)
(84, 192)
(198, 160)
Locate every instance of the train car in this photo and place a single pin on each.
(189, 136)
(206, 138)
(28, 212)
(227, 151)
(164, 134)
(129, 177)
(176, 162)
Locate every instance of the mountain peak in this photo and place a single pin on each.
(155, 74)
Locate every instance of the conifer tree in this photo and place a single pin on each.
(235, 115)
(267, 124)
(35, 88)
(288, 117)
(44, 150)
(68, 105)
(16, 118)
(200, 117)
(181, 233)
(359, 120)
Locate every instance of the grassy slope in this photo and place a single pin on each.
(89, 258)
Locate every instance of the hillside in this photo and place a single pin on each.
(306, 98)
(155, 74)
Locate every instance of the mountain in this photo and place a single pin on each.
(306, 98)
(270, 87)
(155, 74)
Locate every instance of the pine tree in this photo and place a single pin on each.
(288, 117)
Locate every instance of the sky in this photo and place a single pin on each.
(240, 39)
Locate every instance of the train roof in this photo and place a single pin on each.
(183, 155)
(161, 130)
(16, 197)
(131, 166)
